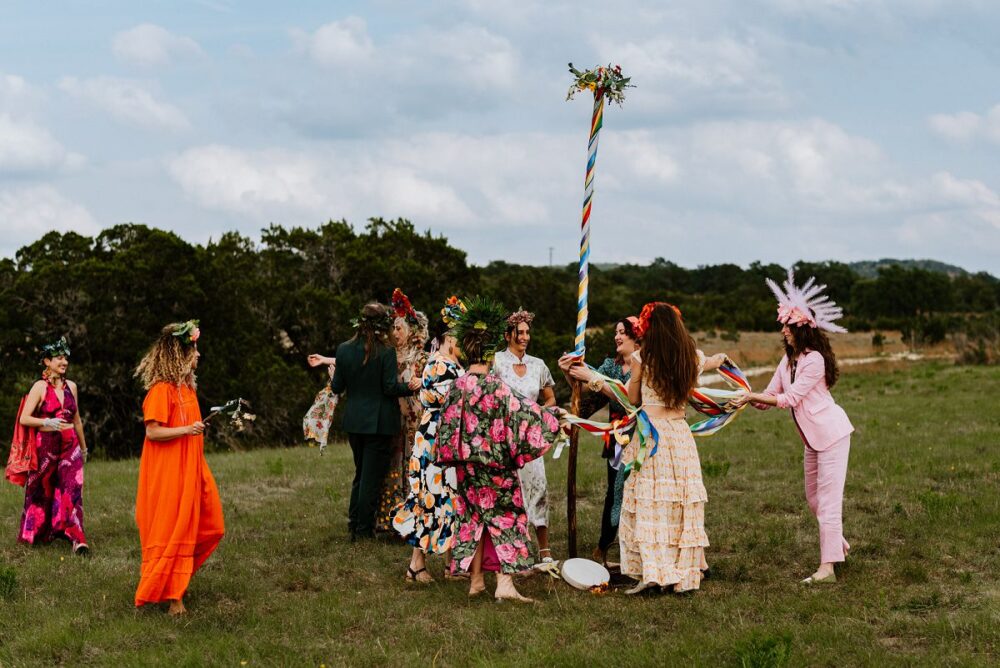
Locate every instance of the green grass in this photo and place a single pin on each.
(286, 588)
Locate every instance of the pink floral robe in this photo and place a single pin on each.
(488, 433)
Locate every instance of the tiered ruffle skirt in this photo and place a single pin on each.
(662, 527)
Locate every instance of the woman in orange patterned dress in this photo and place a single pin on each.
(177, 506)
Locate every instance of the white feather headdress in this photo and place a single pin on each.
(805, 305)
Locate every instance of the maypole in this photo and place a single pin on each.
(604, 82)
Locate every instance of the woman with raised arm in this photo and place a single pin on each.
(802, 383)
(177, 505)
(53, 491)
(662, 528)
(618, 367)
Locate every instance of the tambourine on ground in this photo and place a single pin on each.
(585, 574)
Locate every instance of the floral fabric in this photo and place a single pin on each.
(316, 423)
(425, 518)
(53, 494)
(534, 486)
(487, 432)
(396, 487)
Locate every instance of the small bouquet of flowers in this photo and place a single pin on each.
(607, 81)
(236, 409)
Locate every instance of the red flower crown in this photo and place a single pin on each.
(647, 311)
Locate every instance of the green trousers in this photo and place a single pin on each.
(371, 463)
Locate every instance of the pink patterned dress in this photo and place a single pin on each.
(488, 434)
(53, 494)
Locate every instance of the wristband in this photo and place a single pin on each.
(595, 384)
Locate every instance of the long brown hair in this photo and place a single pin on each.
(373, 327)
(669, 356)
(812, 338)
(169, 360)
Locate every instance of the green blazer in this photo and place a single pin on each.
(372, 403)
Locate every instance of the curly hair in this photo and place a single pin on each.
(812, 338)
(669, 356)
(168, 361)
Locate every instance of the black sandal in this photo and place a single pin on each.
(411, 575)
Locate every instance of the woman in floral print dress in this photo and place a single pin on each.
(425, 519)
(488, 434)
(409, 333)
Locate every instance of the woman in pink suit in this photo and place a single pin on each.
(802, 383)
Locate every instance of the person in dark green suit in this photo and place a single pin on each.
(366, 370)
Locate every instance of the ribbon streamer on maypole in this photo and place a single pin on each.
(714, 403)
(605, 82)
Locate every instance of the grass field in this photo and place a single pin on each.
(286, 588)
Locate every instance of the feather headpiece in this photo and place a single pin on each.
(805, 305)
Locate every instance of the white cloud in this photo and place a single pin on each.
(29, 212)
(148, 44)
(466, 56)
(25, 147)
(338, 43)
(961, 127)
(966, 126)
(680, 71)
(126, 101)
(18, 96)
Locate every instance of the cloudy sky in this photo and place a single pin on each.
(770, 130)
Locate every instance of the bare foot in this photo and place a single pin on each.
(477, 585)
(176, 608)
(507, 592)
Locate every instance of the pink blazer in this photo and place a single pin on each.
(820, 420)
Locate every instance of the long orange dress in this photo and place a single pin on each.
(177, 505)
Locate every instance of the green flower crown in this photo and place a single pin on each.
(381, 322)
(58, 348)
(486, 315)
(188, 332)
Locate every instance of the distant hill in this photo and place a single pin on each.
(869, 268)
(865, 268)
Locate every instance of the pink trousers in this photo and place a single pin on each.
(825, 474)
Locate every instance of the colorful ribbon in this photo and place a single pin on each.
(596, 122)
(706, 400)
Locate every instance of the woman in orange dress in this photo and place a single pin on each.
(177, 506)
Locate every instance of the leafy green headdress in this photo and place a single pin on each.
(58, 348)
(484, 315)
(379, 321)
(188, 332)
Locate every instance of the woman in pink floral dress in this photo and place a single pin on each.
(489, 434)
(53, 493)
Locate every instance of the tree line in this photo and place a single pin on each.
(265, 304)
